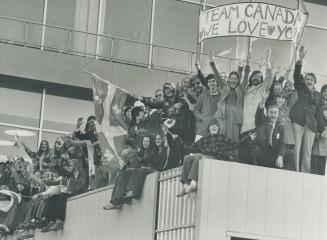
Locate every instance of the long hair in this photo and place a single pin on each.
(39, 152)
(156, 148)
(143, 151)
(236, 74)
(87, 125)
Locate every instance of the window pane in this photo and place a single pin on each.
(24, 107)
(288, 4)
(223, 2)
(321, 80)
(7, 138)
(225, 47)
(282, 51)
(316, 58)
(31, 10)
(175, 25)
(283, 3)
(59, 13)
(61, 113)
(317, 14)
(129, 20)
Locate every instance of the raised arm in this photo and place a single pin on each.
(245, 81)
(201, 76)
(214, 67)
(298, 78)
(260, 115)
(269, 76)
(29, 152)
(240, 69)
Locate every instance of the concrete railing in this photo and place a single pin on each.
(250, 202)
(85, 218)
(233, 201)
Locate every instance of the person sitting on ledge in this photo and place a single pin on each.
(214, 146)
(130, 181)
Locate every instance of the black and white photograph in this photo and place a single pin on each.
(163, 119)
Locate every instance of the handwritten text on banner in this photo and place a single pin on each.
(251, 19)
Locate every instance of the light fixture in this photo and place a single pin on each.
(6, 143)
(19, 133)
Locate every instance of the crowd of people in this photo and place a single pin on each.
(246, 116)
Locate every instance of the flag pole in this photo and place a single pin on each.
(108, 82)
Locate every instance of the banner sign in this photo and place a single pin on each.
(258, 20)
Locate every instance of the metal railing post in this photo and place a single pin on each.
(112, 49)
(69, 40)
(26, 35)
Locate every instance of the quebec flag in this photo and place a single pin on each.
(110, 102)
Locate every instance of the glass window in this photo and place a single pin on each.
(224, 48)
(283, 3)
(59, 13)
(321, 80)
(129, 20)
(223, 2)
(282, 51)
(24, 107)
(317, 14)
(86, 20)
(288, 4)
(61, 113)
(316, 59)
(7, 140)
(175, 25)
(31, 10)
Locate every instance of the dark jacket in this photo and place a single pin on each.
(262, 129)
(304, 110)
(76, 183)
(6, 180)
(160, 159)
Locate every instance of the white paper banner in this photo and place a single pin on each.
(259, 20)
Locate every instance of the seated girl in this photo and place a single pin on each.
(130, 181)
